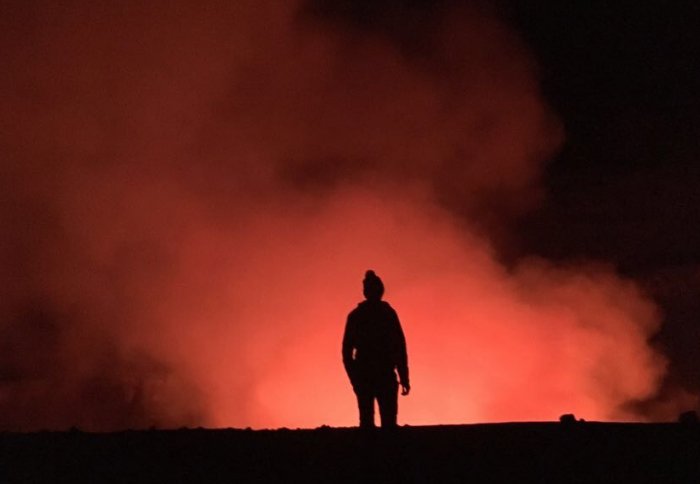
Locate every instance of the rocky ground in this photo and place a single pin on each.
(537, 452)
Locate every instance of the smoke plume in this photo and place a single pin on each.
(192, 193)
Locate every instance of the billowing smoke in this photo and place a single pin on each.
(191, 195)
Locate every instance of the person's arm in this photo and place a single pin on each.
(402, 357)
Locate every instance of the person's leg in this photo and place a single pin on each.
(388, 403)
(365, 404)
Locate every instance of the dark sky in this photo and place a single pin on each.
(625, 83)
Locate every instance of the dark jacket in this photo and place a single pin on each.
(374, 344)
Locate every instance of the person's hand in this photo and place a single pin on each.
(405, 389)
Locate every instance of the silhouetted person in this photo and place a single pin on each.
(373, 348)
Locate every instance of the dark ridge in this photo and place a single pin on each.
(512, 452)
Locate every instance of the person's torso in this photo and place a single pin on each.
(375, 337)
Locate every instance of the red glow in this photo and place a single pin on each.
(484, 344)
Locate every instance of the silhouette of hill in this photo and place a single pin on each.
(539, 452)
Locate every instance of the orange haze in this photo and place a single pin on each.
(191, 195)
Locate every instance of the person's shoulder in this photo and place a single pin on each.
(389, 311)
(357, 309)
(387, 307)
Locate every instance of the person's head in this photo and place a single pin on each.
(372, 286)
